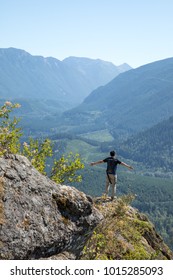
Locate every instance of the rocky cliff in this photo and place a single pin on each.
(42, 220)
(39, 218)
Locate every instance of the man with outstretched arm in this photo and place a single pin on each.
(111, 178)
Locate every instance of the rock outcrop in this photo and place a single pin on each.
(38, 218)
(42, 220)
(125, 234)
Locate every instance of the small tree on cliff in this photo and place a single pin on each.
(63, 170)
(37, 152)
(9, 132)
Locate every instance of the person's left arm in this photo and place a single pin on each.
(126, 165)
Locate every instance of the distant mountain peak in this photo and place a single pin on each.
(94, 60)
(124, 67)
(69, 81)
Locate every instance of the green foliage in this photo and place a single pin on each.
(37, 153)
(111, 238)
(9, 132)
(95, 247)
(64, 169)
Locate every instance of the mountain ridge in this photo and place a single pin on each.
(27, 76)
(46, 86)
(132, 101)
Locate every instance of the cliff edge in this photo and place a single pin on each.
(42, 220)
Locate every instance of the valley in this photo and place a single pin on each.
(150, 181)
(73, 104)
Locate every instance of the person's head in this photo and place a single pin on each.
(112, 153)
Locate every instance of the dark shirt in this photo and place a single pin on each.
(112, 165)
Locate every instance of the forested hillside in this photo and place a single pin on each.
(154, 147)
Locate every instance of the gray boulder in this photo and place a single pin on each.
(38, 218)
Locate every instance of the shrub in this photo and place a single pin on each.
(63, 170)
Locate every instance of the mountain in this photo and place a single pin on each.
(42, 220)
(95, 72)
(133, 101)
(25, 77)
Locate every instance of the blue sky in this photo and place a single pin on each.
(133, 31)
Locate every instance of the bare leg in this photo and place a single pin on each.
(114, 185)
(107, 186)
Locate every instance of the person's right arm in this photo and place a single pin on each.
(96, 162)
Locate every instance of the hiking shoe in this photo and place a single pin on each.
(112, 198)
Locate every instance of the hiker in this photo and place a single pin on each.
(111, 178)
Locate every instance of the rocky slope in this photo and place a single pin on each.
(124, 234)
(42, 220)
(38, 217)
